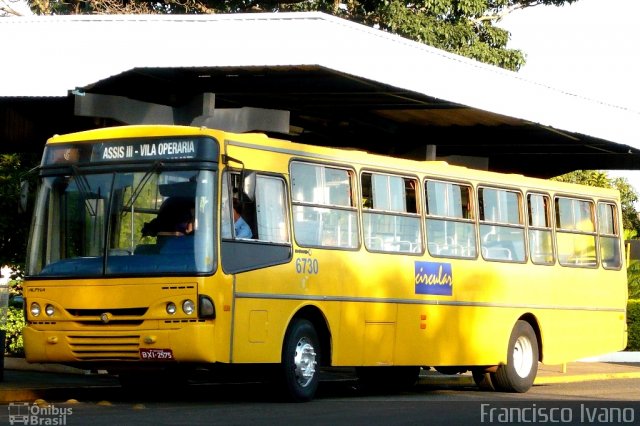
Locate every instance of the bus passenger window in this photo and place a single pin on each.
(540, 236)
(324, 213)
(501, 225)
(576, 238)
(267, 241)
(450, 223)
(238, 216)
(390, 217)
(271, 210)
(264, 218)
(609, 236)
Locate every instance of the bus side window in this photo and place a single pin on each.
(270, 210)
(540, 235)
(390, 216)
(324, 213)
(501, 225)
(451, 230)
(609, 236)
(267, 216)
(236, 214)
(576, 236)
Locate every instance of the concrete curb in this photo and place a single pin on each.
(548, 380)
(467, 380)
(542, 379)
(615, 357)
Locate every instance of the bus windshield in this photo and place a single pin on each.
(123, 223)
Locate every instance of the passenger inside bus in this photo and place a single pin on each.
(241, 227)
(174, 221)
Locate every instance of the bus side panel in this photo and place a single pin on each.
(571, 335)
(267, 299)
(261, 324)
(432, 335)
(586, 312)
(258, 329)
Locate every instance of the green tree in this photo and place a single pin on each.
(465, 27)
(633, 279)
(14, 226)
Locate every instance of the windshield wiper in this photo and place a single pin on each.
(84, 188)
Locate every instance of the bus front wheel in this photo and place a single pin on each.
(522, 361)
(300, 361)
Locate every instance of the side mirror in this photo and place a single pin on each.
(24, 196)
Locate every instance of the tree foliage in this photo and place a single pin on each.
(14, 226)
(633, 279)
(465, 27)
(14, 323)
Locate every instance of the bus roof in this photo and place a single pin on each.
(437, 169)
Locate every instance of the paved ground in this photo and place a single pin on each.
(28, 382)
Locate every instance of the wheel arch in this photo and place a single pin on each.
(533, 322)
(316, 317)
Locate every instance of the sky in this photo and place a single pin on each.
(589, 48)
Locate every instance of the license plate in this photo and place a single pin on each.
(156, 354)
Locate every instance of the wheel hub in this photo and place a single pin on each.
(523, 357)
(305, 362)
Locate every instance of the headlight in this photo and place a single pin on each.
(188, 306)
(171, 308)
(35, 309)
(49, 310)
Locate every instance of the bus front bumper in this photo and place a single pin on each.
(192, 343)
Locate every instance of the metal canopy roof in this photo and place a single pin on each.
(345, 85)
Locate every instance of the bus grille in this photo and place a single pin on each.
(88, 347)
(128, 312)
(124, 316)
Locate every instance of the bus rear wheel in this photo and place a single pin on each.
(522, 361)
(300, 360)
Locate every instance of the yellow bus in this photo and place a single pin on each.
(136, 262)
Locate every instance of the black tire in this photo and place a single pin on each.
(522, 361)
(300, 361)
(482, 379)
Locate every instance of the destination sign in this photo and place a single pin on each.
(127, 150)
(156, 150)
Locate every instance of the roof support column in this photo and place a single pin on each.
(431, 153)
